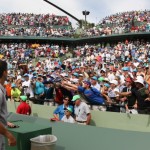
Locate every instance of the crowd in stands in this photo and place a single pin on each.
(46, 25)
(26, 52)
(120, 23)
(103, 78)
(43, 25)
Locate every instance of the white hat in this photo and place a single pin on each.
(114, 82)
(103, 70)
(80, 75)
(106, 79)
(139, 79)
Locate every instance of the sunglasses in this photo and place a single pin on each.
(66, 99)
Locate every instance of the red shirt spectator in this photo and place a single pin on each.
(59, 95)
(23, 108)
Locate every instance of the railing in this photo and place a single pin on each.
(99, 119)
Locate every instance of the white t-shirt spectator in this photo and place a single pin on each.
(81, 112)
(97, 86)
(108, 57)
(111, 76)
(28, 88)
(126, 53)
(69, 120)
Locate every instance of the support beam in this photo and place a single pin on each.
(63, 11)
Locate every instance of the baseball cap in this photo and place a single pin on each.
(128, 80)
(80, 75)
(107, 85)
(75, 74)
(75, 97)
(125, 68)
(23, 98)
(13, 85)
(34, 73)
(104, 70)
(100, 79)
(69, 109)
(26, 75)
(134, 70)
(87, 82)
(94, 78)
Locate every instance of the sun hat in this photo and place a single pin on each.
(106, 80)
(114, 82)
(140, 80)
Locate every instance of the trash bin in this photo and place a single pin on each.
(43, 142)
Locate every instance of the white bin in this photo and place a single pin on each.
(43, 142)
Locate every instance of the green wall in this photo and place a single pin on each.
(100, 119)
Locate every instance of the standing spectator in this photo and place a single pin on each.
(39, 88)
(81, 110)
(48, 92)
(23, 108)
(15, 92)
(8, 90)
(130, 101)
(27, 86)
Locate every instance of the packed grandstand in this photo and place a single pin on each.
(116, 74)
(49, 25)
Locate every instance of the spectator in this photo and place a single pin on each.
(23, 107)
(130, 101)
(59, 111)
(81, 110)
(67, 117)
(91, 94)
(15, 92)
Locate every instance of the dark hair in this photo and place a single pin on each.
(66, 97)
(3, 67)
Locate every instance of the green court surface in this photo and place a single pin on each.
(78, 137)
